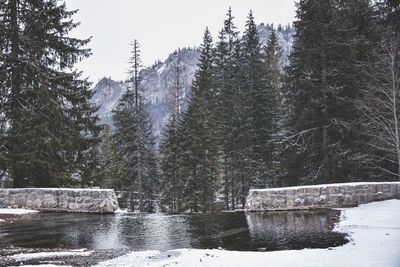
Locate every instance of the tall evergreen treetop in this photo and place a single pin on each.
(259, 105)
(135, 142)
(202, 129)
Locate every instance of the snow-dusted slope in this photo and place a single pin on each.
(155, 79)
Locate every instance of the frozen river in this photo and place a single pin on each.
(125, 232)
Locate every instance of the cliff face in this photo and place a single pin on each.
(154, 83)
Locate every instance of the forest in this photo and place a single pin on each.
(328, 115)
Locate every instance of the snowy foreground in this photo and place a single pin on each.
(373, 228)
(374, 231)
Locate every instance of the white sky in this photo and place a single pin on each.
(160, 26)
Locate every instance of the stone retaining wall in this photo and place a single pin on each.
(320, 196)
(60, 199)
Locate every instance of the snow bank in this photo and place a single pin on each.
(121, 211)
(375, 241)
(17, 211)
(46, 255)
(322, 186)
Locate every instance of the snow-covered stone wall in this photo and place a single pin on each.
(320, 196)
(60, 199)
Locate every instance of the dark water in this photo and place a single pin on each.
(232, 231)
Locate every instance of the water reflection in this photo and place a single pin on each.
(234, 231)
(108, 236)
(294, 229)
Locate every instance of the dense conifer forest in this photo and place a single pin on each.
(328, 114)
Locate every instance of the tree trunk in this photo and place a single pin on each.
(233, 193)
(226, 185)
(396, 120)
(132, 199)
(140, 190)
(243, 192)
(324, 147)
(15, 88)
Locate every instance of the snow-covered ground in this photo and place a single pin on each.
(44, 255)
(17, 211)
(374, 231)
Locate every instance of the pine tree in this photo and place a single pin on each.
(273, 62)
(260, 110)
(241, 150)
(224, 86)
(51, 124)
(133, 137)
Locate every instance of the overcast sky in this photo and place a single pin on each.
(160, 26)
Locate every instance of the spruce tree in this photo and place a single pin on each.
(224, 86)
(273, 63)
(241, 133)
(260, 107)
(202, 130)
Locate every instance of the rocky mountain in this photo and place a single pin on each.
(155, 80)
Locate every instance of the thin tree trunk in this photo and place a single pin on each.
(233, 193)
(132, 199)
(136, 66)
(194, 191)
(324, 147)
(395, 117)
(243, 191)
(15, 86)
(226, 189)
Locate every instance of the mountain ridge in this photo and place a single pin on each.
(154, 80)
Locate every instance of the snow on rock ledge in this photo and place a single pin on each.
(60, 199)
(320, 196)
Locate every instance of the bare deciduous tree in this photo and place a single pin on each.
(380, 106)
(175, 89)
